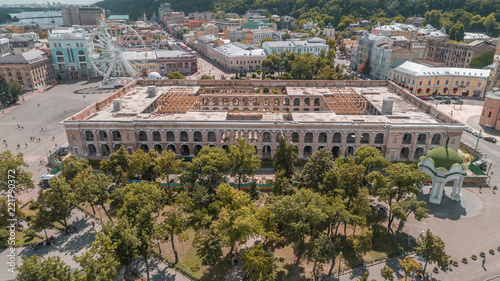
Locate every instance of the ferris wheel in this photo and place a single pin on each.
(109, 48)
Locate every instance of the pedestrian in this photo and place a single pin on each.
(85, 216)
(18, 146)
(18, 126)
(22, 127)
(31, 138)
(41, 162)
(451, 262)
(480, 187)
(484, 260)
(55, 144)
(38, 105)
(48, 170)
(25, 144)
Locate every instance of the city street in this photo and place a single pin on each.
(205, 67)
(44, 110)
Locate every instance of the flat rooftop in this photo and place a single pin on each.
(183, 104)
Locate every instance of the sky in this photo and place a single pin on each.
(80, 2)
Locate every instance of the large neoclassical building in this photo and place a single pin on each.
(187, 115)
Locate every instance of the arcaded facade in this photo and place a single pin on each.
(187, 115)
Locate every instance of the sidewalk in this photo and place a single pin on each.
(23, 99)
(473, 270)
(158, 271)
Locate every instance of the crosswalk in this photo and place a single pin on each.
(34, 158)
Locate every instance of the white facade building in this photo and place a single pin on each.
(310, 45)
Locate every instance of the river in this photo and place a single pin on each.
(40, 21)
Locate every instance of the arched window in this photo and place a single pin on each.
(351, 138)
(365, 138)
(379, 138)
(436, 139)
(103, 136)
(421, 138)
(308, 138)
(211, 136)
(337, 138)
(266, 137)
(156, 136)
(117, 136)
(322, 137)
(89, 136)
(143, 136)
(407, 139)
(184, 136)
(59, 53)
(170, 136)
(197, 136)
(295, 137)
(296, 102)
(307, 101)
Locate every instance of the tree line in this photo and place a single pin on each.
(319, 212)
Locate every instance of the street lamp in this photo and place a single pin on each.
(340, 262)
(99, 208)
(159, 248)
(478, 137)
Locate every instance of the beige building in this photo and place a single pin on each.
(491, 110)
(86, 15)
(144, 62)
(33, 69)
(422, 80)
(186, 115)
(455, 54)
(235, 56)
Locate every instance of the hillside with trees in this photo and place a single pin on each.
(475, 15)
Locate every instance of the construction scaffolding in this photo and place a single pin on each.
(177, 100)
(345, 101)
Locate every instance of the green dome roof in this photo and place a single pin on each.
(444, 157)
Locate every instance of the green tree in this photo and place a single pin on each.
(42, 219)
(322, 250)
(489, 21)
(206, 77)
(58, 201)
(401, 180)
(303, 66)
(208, 247)
(432, 249)
(142, 164)
(320, 162)
(259, 263)
(350, 177)
(117, 166)
(141, 206)
(175, 223)
(48, 269)
(237, 219)
(387, 273)
(284, 158)
(16, 90)
(404, 208)
(175, 75)
(208, 168)
(13, 171)
(281, 184)
(365, 66)
(99, 262)
(166, 164)
(482, 60)
(124, 237)
(371, 158)
(410, 266)
(243, 161)
(433, 18)
(5, 95)
(272, 62)
(93, 189)
(298, 216)
(72, 166)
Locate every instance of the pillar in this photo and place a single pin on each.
(456, 195)
(437, 190)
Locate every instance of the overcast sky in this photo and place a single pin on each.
(45, 1)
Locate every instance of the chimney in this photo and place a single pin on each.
(387, 107)
(151, 91)
(117, 105)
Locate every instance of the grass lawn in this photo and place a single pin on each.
(20, 240)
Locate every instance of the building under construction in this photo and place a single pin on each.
(186, 115)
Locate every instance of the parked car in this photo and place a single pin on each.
(446, 98)
(430, 98)
(490, 139)
(445, 102)
(455, 98)
(424, 98)
(439, 97)
(468, 129)
(458, 102)
(477, 134)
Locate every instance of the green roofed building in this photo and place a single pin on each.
(443, 164)
(119, 18)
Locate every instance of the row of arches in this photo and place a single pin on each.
(322, 137)
(257, 101)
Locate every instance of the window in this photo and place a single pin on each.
(489, 114)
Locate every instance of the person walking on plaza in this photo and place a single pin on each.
(484, 260)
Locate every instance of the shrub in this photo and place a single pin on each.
(30, 233)
(195, 268)
(474, 257)
(482, 254)
(464, 260)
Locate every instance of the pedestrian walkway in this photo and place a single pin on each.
(158, 271)
(472, 271)
(236, 272)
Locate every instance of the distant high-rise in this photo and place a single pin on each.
(88, 15)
